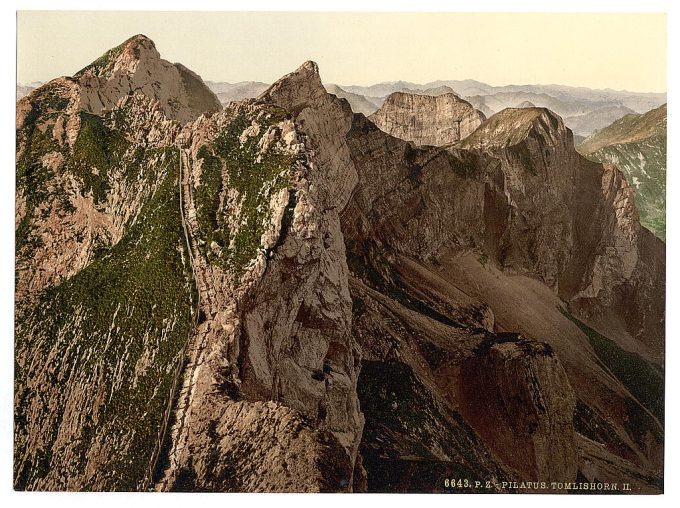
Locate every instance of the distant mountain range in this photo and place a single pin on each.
(24, 89)
(584, 110)
(228, 92)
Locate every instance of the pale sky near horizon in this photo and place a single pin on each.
(619, 51)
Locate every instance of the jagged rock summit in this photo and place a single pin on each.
(136, 66)
(427, 119)
(511, 126)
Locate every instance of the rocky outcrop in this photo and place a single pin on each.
(517, 395)
(438, 234)
(427, 119)
(276, 304)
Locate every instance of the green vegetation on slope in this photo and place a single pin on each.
(97, 149)
(643, 379)
(644, 165)
(254, 176)
(636, 144)
(120, 323)
(32, 176)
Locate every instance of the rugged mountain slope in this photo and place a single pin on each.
(637, 145)
(279, 296)
(452, 250)
(427, 119)
(103, 289)
(104, 293)
(277, 309)
(152, 386)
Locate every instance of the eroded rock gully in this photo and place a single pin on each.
(279, 296)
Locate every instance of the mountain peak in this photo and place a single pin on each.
(297, 89)
(309, 66)
(136, 65)
(123, 56)
(511, 126)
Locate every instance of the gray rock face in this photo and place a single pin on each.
(278, 329)
(427, 120)
(136, 65)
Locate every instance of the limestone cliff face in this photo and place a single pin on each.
(427, 119)
(517, 394)
(572, 222)
(442, 238)
(274, 294)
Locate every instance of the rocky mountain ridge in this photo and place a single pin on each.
(637, 145)
(327, 307)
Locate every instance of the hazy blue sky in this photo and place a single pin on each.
(621, 51)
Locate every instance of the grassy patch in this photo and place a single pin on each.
(643, 379)
(96, 150)
(254, 176)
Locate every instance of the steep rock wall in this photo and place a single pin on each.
(435, 120)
